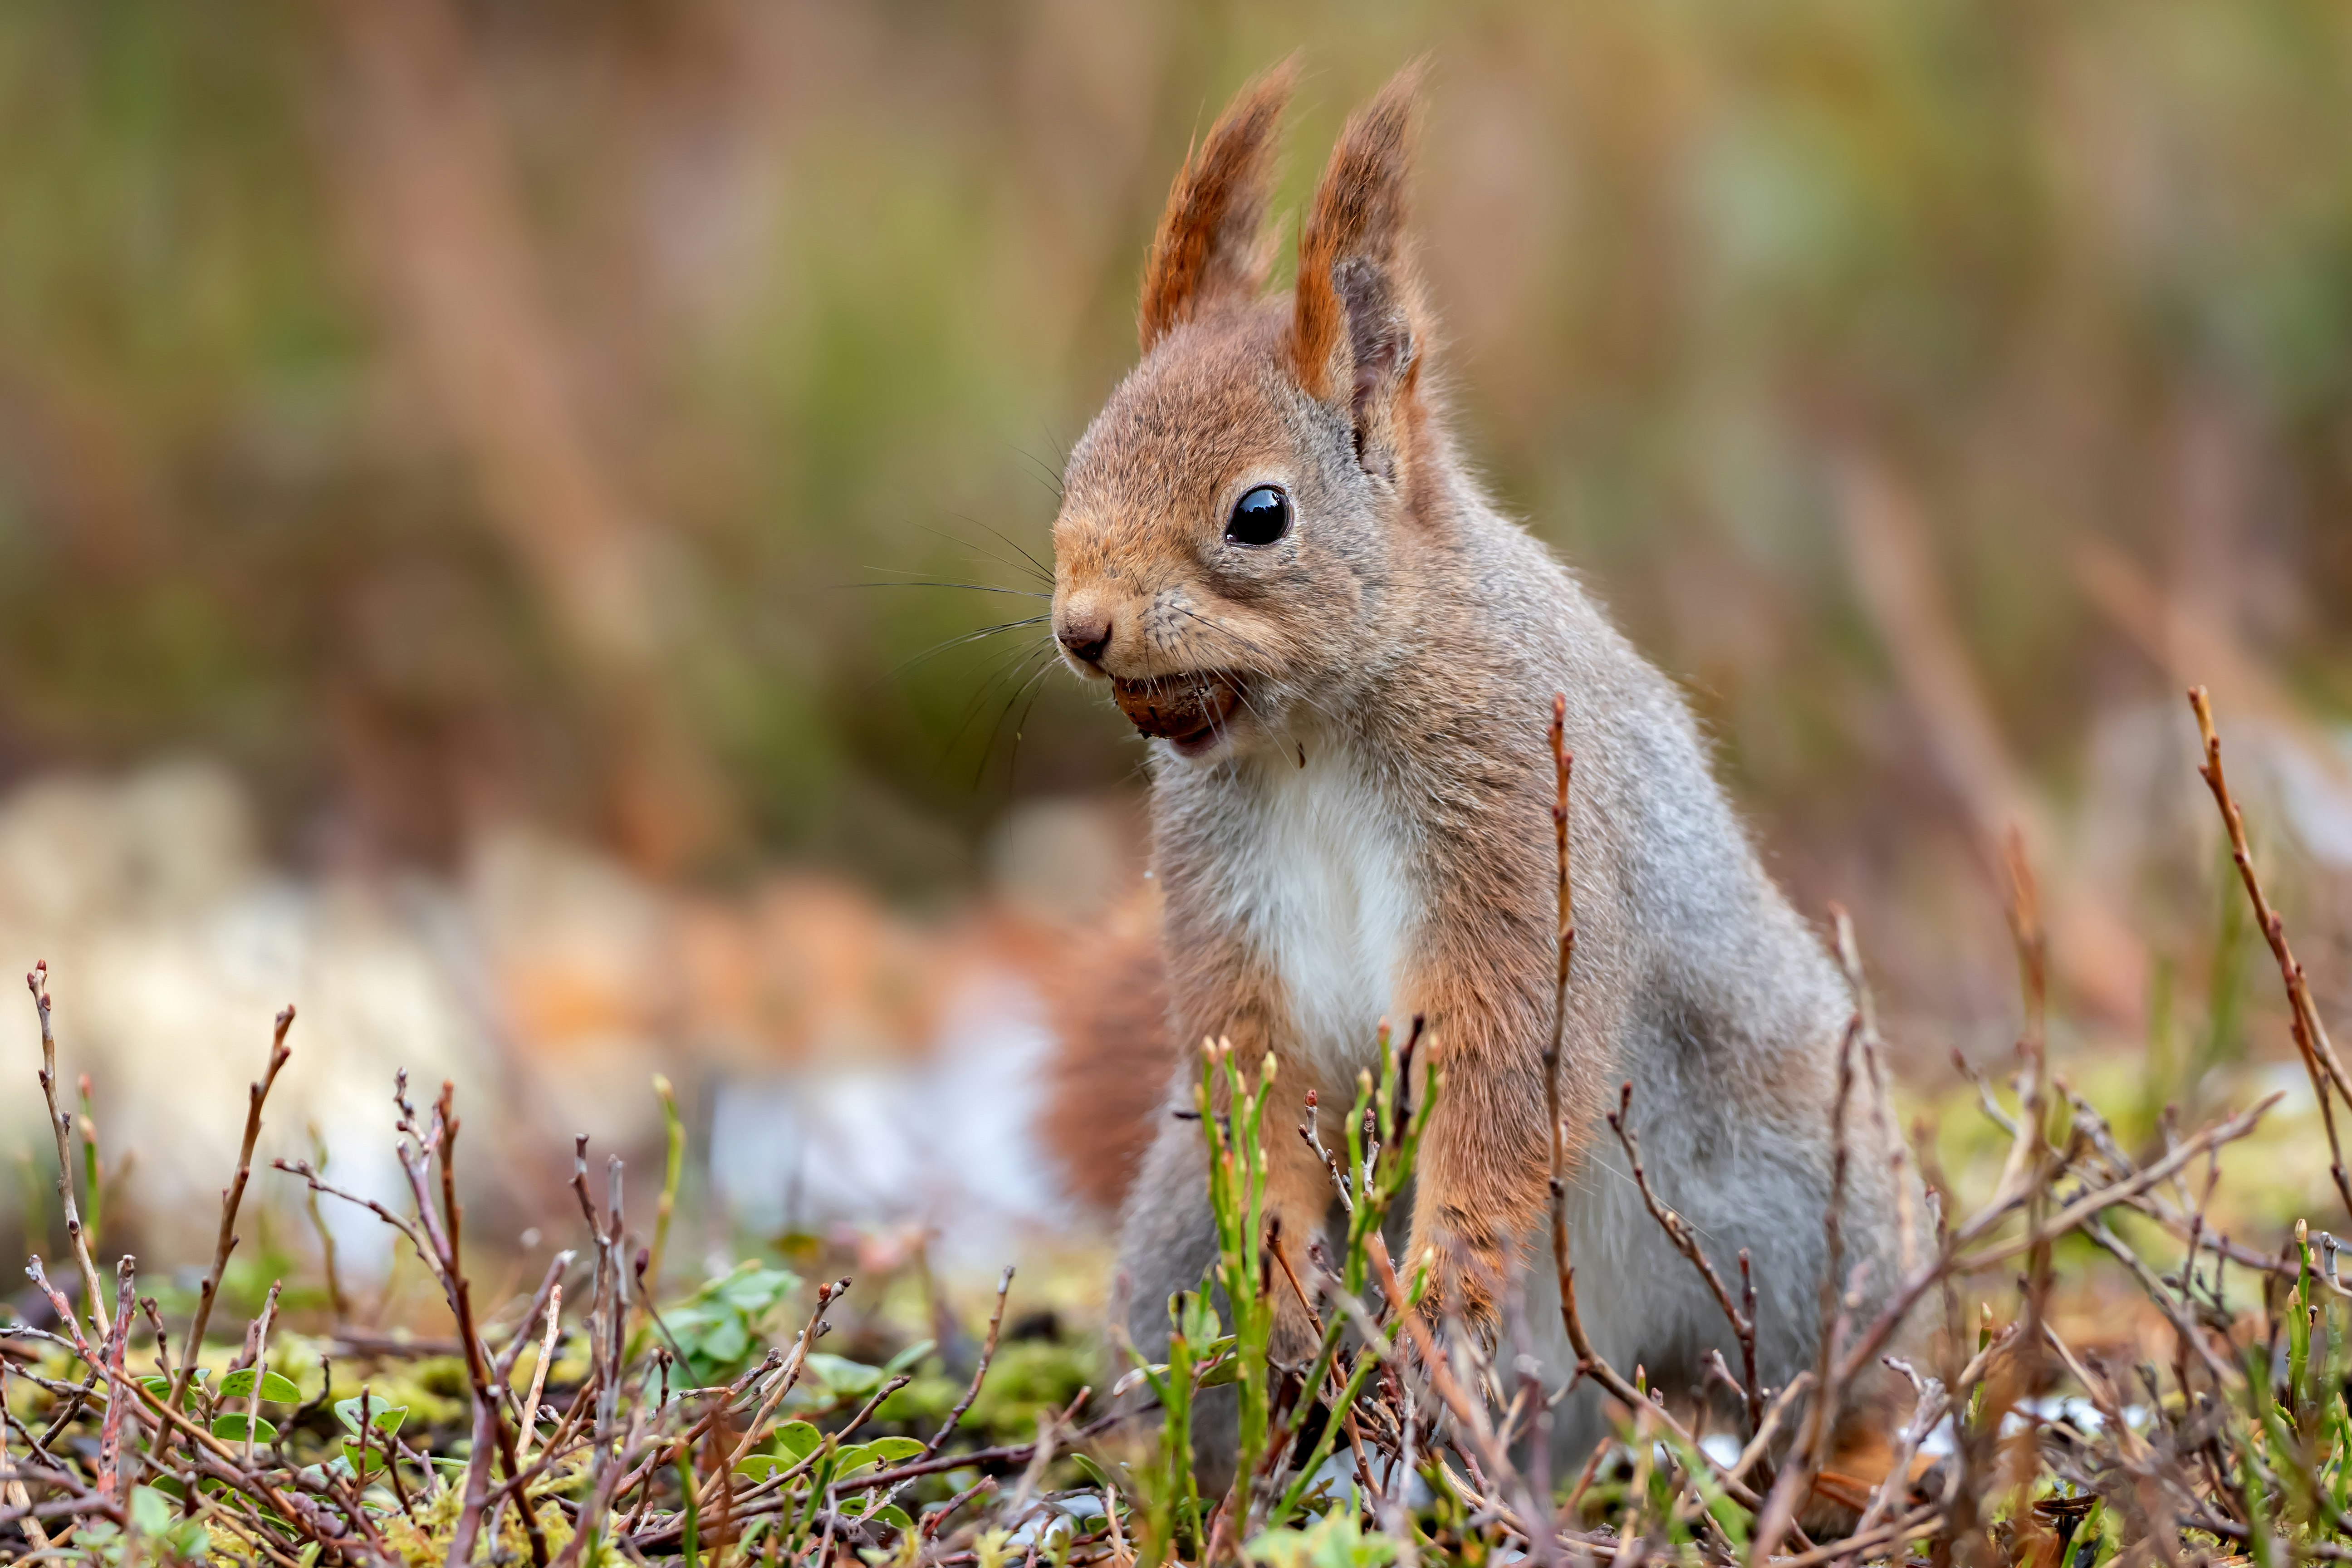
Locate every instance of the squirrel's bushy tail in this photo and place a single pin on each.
(1113, 1055)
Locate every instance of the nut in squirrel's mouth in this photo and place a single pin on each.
(1192, 711)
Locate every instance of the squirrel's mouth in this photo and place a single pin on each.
(1193, 713)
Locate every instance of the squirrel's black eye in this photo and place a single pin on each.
(1260, 517)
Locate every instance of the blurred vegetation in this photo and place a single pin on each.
(517, 409)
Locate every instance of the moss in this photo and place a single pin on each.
(424, 1540)
(1027, 1378)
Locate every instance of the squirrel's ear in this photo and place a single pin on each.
(1356, 336)
(1208, 251)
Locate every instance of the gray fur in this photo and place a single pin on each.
(1368, 835)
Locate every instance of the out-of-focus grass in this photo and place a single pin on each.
(819, 288)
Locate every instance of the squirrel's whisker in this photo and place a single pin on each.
(959, 640)
(1009, 665)
(1028, 565)
(932, 583)
(1035, 679)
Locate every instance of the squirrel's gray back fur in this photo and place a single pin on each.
(1351, 799)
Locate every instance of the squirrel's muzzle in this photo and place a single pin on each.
(1192, 711)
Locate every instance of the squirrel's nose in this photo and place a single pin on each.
(1085, 636)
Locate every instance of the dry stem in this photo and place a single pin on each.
(1685, 1241)
(225, 1242)
(2311, 1040)
(61, 1124)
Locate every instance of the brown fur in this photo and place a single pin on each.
(1207, 252)
(1360, 216)
(1109, 1072)
(1364, 828)
(1480, 988)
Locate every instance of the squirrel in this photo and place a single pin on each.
(1270, 555)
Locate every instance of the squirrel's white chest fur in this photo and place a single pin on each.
(1319, 864)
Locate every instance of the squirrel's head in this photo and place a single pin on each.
(1231, 520)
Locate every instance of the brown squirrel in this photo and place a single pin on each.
(1344, 658)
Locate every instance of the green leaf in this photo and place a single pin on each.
(868, 1505)
(798, 1438)
(160, 1385)
(151, 1511)
(841, 1377)
(891, 1450)
(1095, 1473)
(232, 1428)
(760, 1467)
(1226, 1369)
(852, 1456)
(280, 1390)
(152, 1515)
(1334, 1541)
(350, 1456)
(382, 1416)
(726, 1341)
(907, 1357)
(1728, 1514)
(753, 1288)
(1199, 1322)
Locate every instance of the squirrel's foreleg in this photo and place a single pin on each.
(1484, 1175)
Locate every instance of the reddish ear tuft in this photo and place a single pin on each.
(1352, 254)
(1207, 252)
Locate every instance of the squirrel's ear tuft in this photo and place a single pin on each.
(1208, 251)
(1355, 337)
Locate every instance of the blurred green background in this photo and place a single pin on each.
(448, 416)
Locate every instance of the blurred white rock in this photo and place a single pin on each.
(942, 1143)
(884, 1071)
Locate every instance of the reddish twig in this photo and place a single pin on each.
(225, 1242)
(1685, 1240)
(2311, 1042)
(987, 1354)
(551, 1285)
(1795, 1483)
(1849, 955)
(538, 1372)
(110, 1447)
(61, 1124)
(256, 1356)
(826, 1295)
(939, 1516)
(1563, 764)
(489, 1419)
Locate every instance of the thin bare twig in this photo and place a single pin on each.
(987, 1355)
(1685, 1240)
(109, 1449)
(208, 1291)
(1794, 1484)
(538, 1373)
(2311, 1042)
(489, 1420)
(61, 1124)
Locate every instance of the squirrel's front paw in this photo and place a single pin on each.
(1296, 1336)
(1463, 1288)
(1451, 1345)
